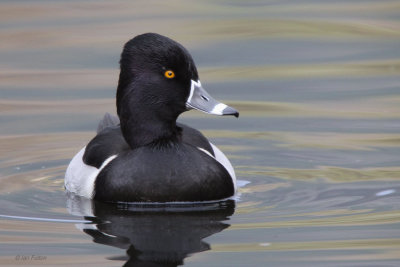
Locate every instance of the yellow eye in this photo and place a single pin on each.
(169, 74)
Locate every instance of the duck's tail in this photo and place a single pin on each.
(107, 121)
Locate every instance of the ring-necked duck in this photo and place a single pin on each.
(145, 155)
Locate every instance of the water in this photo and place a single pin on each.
(318, 89)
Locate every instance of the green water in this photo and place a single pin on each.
(317, 84)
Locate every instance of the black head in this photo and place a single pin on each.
(158, 81)
(156, 74)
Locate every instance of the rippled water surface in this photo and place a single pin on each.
(317, 84)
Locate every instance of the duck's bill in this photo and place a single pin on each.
(199, 99)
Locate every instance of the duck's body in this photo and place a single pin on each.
(191, 169)
(147, 156)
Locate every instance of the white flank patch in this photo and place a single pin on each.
(218, 109)
(80, 178)
(221, 158)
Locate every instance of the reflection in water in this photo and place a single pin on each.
(151, 234)
(318, 83)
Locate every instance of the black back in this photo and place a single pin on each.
(110, 141)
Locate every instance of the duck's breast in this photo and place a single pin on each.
(177, 173)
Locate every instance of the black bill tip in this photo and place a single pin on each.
(230, 111)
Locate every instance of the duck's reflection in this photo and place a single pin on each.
(152, 235)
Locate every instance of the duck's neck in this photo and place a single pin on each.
(141, 130)
(143, 124)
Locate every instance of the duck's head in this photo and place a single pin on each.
(159, 76)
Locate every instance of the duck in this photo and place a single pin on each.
(143, 154)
